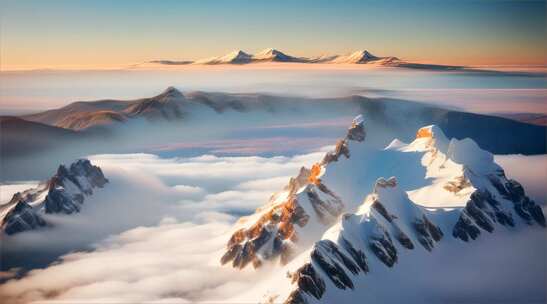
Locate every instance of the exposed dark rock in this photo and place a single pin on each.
(435, 232)
(483, 209)
(382, 210)
(340, 149)
(80, 178)
(244, 256)
(94, 174)
(309, 281)
(278, 223)
(383, 183)
(519, 209)
(231, 254)
(330, 266)
(21, 218)
(495, 181)
(296, 297)
(523, 206)
(277, 246)
(465, 229)
(427, 232)
(423, 234)
(357, 132)
(299, 216)
(83, 175)
(504, 218)
(515, 192)
(537, 214)
(331, 249)
(403, 239)
(326, 211)
(474, 210)
(58, 201)
(262, 238)
(358, 256)
(382, 247)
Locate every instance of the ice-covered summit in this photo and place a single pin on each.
(342, 220)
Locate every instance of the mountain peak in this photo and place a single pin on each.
(237, 56)
(361, 56)
(272, 54)
(364, 54)
(63, 193)
(171, 92)
(430, 137)
(269, 51)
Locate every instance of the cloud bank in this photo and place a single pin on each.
(167, 222)
(177, 215)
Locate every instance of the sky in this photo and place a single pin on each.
(62, 34)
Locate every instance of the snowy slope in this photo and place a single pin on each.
(276, 56)
(441, 195)
(235, 57)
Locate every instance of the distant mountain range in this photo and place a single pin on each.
(76, 121)
(273, 55)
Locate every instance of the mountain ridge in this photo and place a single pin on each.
(63, 193)
(361, 57)
(392, 219)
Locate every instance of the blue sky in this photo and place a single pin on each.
(59, 33)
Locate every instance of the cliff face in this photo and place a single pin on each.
(294, 217)
(65, 192)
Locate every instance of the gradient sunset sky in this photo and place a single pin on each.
(63, 34)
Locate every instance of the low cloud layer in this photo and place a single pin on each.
(168, 221)
(179, 213)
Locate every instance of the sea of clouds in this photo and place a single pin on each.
(158, 229)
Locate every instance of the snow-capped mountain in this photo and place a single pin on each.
(235, 57)
(362, 56)
(63, 193)
(274, 55)
(240, 57)
(344, 219)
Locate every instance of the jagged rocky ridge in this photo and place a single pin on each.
(392, 219)
(306, 206)
(64, 193)
(388, 222)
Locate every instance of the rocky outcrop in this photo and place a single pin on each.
(410, 215)
(427, 232)
(20, 218)
(68, 187)
(386, 224)
(484, 209)
(306, 198)
(275, 234)
(63, 193)
(355, 133)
